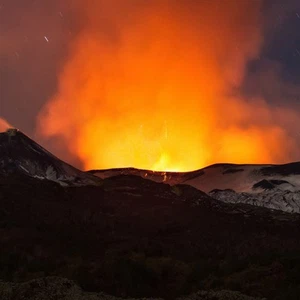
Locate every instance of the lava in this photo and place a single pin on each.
(156, 85)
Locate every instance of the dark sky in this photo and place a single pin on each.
(28, 62)
(34, 38)
(280, 56)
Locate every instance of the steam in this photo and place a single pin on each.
(157, 85)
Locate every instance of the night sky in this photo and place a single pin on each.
(34, 39)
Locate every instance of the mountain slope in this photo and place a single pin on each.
(133, 237)
(19, 154)
(272, 186)
(240, 178)
(248, 178)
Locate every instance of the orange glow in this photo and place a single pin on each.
(154, 85)
(4, 125)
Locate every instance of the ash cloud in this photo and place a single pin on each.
(184, 63)
(249, 58)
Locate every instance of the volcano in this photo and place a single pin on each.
(271, 186)
(139, 233)
(21, 155)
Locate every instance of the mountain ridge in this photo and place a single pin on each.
(268, 185)
(19, 153)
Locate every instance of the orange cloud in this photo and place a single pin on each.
(4, 125)
(155, 85)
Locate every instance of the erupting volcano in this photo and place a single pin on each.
(157, 85)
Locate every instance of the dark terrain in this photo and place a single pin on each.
(132, 237)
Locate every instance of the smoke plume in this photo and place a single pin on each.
(157, 85)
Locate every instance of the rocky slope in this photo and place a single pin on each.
(19, 154)
(275, 199)
(56, 288)
(272, 186)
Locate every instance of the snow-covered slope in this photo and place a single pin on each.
(272, 186)
(240, 178)
(276, 199)
(21, 155)
(248, 178)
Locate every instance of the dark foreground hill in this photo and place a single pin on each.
(132, 237)
(56, 288)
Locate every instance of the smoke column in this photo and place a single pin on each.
(157, 85)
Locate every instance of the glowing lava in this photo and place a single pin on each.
(155, 85)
